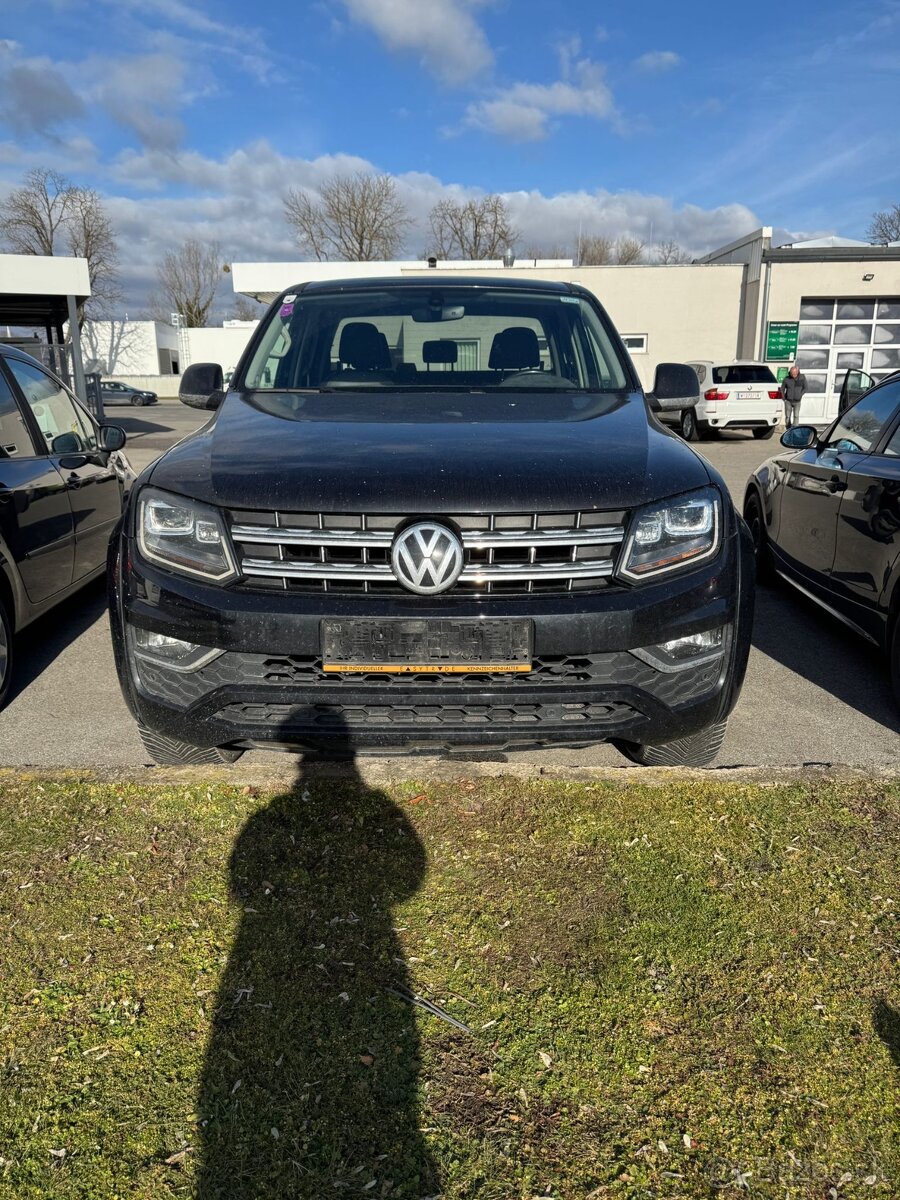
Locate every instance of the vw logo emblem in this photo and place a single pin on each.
(427, 558)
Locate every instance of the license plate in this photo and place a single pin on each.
(428, 646)
(746, 395)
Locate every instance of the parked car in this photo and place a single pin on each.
(124, 393)
(825, 516)
(62, 485)
(733, 395)
(431, 516)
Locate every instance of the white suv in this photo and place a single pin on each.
(733, 395)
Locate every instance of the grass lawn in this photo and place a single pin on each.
(668, 987)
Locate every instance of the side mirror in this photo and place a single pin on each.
(112, 437)
(202, 386)
(675, 386)
(800, 437)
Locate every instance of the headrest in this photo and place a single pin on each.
(514, 349)
(440, 351)
(364, 347)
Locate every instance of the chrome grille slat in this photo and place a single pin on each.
(505, 553)
(285, 535)
(374, 572)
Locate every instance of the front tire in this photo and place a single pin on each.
(688, 426)
(895, 660)
(170, 752)
(6, 653)
(696, 750)
(137, 401)
(764, 434)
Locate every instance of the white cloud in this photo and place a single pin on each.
(209, 198)
(446, 37)
(524, 111)
(655, 61)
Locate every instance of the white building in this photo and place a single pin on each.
(119, 348)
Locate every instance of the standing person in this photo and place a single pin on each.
(793, 387)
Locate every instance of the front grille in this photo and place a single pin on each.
(505, 554)
(284, 717)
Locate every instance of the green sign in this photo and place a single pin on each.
(782, 373)
(781, 341)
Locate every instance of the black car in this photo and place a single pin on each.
(430, 516)
(123, 393)
(62, 485)
(825, 516)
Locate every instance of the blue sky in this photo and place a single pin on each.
(688, 122)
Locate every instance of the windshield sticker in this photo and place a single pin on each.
(286, 310)
(570, 299)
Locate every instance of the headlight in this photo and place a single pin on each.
(185, 536)
(673, 534)
(170, 652)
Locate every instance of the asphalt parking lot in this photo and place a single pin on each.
(814, 693)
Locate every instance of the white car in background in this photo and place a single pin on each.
(733, 395)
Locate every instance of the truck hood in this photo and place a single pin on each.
(430, 453)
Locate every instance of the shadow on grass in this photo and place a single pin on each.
(886, 1022)
(309, 1088)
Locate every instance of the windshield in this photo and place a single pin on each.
(459, 339)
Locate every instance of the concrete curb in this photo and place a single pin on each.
(389, 771)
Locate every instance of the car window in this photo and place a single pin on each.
(54, 409)
(860, 427)
(893, 446)
(742, 373)
(700, 369)
(15, 440)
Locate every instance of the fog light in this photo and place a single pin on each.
(169, 651)
(688, 651)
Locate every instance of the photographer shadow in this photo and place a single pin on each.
(310, 1083)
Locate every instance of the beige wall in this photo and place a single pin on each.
(791, 282)
(687, 311)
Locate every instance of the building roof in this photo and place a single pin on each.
(34, 288)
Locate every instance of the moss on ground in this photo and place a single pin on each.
(685, 988)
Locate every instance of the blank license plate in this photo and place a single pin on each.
(426, 646)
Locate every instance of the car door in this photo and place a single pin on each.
(72, 441)
(112, 393)
(856, 384)
(868, 529)
(36, 523)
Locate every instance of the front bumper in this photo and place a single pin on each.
(267, 688)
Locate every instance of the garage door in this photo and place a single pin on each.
(838, 335)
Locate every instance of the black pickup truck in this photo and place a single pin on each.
(432, 515)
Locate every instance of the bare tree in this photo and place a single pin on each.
(593, 250)
(536, 250)
(628, 250)
(91, 237)
(188, 281)
(245, 309)
(357, 218)
(885, 226)
(34, 216)
(671, 252)
(49, 215)
(474, 230)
